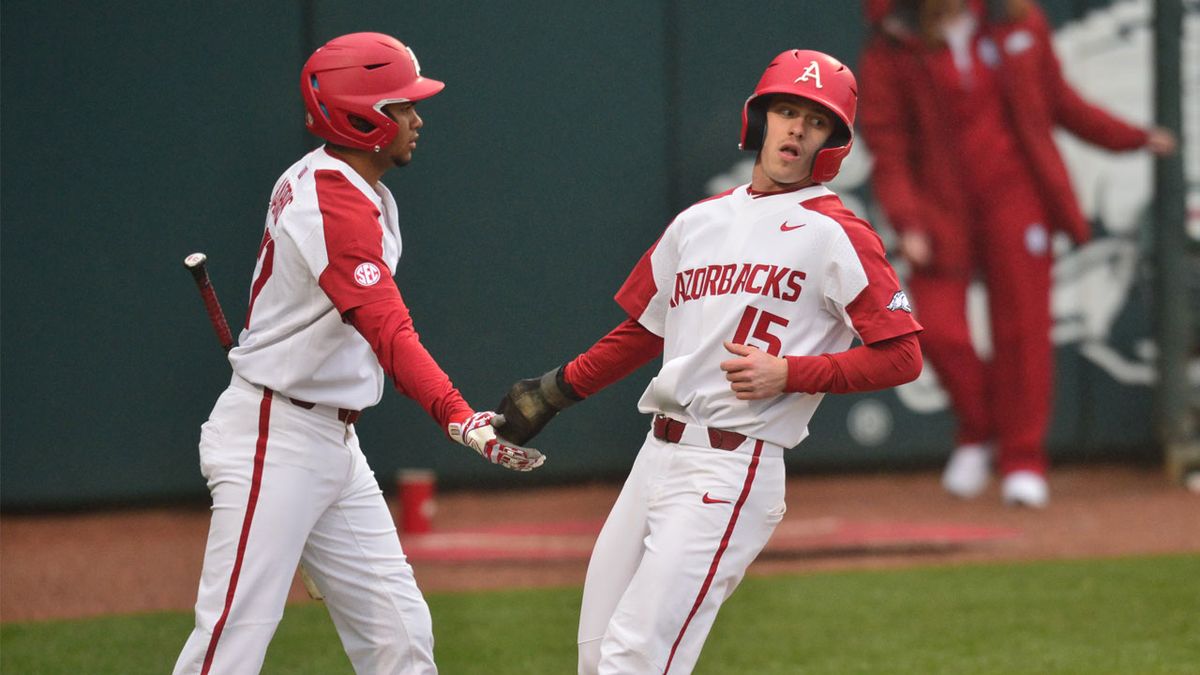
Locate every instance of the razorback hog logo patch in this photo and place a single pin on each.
(899, 302)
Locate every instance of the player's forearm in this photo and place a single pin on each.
(864, 368)
(388, 328)
(626, 348)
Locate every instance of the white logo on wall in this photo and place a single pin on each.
(869, 422)
(1106, 56)
(366, 274)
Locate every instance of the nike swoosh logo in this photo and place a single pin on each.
(709, 500)
(788, 228)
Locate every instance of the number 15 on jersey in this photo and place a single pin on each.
(757, 324)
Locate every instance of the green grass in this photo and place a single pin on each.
(1132, 615)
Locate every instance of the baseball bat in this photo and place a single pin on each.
(197, 264)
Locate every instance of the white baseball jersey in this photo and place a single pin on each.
(793, 273)
(308, 274)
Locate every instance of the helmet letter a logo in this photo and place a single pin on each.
(813, 71)
(413, 55)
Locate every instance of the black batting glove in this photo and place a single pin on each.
(530, 404)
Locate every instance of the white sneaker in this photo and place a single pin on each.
(1025, 488)
(968, 471)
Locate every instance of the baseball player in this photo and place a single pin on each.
(753, 298)
(325, 323)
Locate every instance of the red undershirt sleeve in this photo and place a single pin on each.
(359, 284)
(872, 367)
(626, 348)
(388, 328)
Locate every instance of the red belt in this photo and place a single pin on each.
(671, 431)
(344, 414)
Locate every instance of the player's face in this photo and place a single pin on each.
(797, 129)
(400, 152)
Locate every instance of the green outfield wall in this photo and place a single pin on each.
(567, 136)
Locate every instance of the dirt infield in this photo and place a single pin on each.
(55, 566)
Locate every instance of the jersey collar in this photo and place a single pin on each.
(805, 193)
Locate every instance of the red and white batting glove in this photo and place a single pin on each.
(476, 432)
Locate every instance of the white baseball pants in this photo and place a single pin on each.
(688, 522)
(291, 485)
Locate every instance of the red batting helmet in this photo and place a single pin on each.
(357, 75)
(815, 76)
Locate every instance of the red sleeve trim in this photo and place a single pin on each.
(881, 310)
(639, 288)
(356, 273)
(626, 348)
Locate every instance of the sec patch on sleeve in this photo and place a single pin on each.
(367, 274)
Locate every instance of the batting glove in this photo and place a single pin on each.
(530, 404)
(476, 432)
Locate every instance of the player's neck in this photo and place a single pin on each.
(762, 183)
(369, 165)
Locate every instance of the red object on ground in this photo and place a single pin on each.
(416, 488)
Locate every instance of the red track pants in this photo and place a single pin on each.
(1008, 399)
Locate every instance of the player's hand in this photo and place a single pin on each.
(1161, 141)
(916, 248)
(754, 374)
(476, 432)
(530, 404)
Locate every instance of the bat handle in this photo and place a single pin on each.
(215, 315)
(196, 263)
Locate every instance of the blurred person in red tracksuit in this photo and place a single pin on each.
(962, 98)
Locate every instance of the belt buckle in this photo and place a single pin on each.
(664, 426)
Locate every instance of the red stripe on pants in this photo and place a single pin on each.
(712, 569)
(260, 452)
